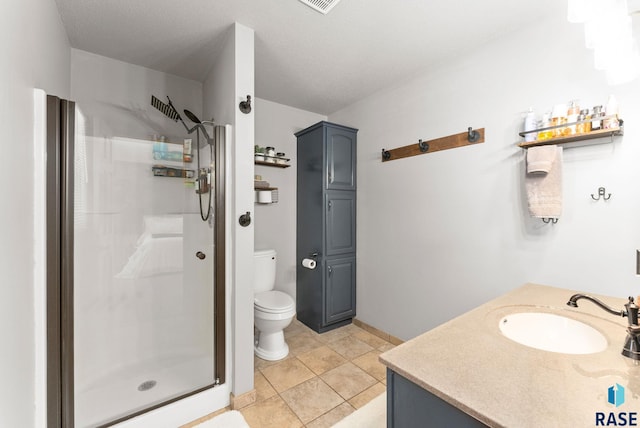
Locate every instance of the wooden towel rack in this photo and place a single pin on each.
(471, 136)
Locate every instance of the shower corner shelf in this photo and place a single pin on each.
(592, 135)
(167, 171)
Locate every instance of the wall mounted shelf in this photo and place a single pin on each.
(600, 133)
(272, 164)
(274, 195)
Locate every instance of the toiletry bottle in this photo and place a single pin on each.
(558, 118)
(530, 125)
(611, 111)
(586, 126)
(186, 150)
(580, 126)
(596, 122)
(545, 134)
(270, 153)
(572, 116)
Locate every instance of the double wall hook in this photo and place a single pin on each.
(601, 194)
(552, 220)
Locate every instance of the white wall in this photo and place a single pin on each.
(441, 233)
(275, 224)
(35, 54)
(229, 82)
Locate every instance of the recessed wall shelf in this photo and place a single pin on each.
(600, 133)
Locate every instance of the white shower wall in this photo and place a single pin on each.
(132, 316)
(142, 296)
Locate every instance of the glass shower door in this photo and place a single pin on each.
(144, 269)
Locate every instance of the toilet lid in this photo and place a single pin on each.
(273, 301)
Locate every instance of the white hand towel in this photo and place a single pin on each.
(544, 189)
(540, 158)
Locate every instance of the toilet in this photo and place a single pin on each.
(273, 310)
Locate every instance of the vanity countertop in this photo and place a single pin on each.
(468, 363)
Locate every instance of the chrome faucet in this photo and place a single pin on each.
(631, 346)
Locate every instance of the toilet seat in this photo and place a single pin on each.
(273, 302)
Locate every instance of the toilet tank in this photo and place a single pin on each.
(264, 273)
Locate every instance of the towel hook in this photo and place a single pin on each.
(472, 136)
(423, 146)
(549, 220)
(245, 106)
(601, 194)
(386, 155)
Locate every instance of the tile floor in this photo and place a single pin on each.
(324, 378)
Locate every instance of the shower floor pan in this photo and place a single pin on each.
(138, 388)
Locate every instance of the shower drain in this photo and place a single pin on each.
(145, 386)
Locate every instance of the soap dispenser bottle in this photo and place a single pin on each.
(530, 125)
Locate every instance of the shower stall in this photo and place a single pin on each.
(135, 268)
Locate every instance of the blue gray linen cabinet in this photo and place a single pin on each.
(326, 225)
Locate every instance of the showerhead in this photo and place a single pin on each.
(192, 117)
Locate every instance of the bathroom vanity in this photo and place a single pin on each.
(466, 373)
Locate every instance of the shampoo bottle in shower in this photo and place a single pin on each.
(186, 150)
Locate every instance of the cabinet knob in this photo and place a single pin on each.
(330, 270)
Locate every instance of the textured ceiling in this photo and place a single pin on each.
(303, 59)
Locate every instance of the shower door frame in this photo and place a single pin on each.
(60, 128)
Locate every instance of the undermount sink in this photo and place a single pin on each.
(554, 333)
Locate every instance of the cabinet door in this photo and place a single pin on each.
(340, 223)
(340, 290)
(341, 159)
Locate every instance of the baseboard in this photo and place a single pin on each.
(377, 332)
(243, 400)
(198, 421)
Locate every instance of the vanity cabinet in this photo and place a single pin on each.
(326, 225)
(409, 405)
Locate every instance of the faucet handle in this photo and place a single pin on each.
(632, 312)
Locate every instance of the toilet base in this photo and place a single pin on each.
(271, 346)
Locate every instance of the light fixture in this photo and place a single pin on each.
(322, 6)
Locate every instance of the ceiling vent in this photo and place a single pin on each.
(323, 6)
